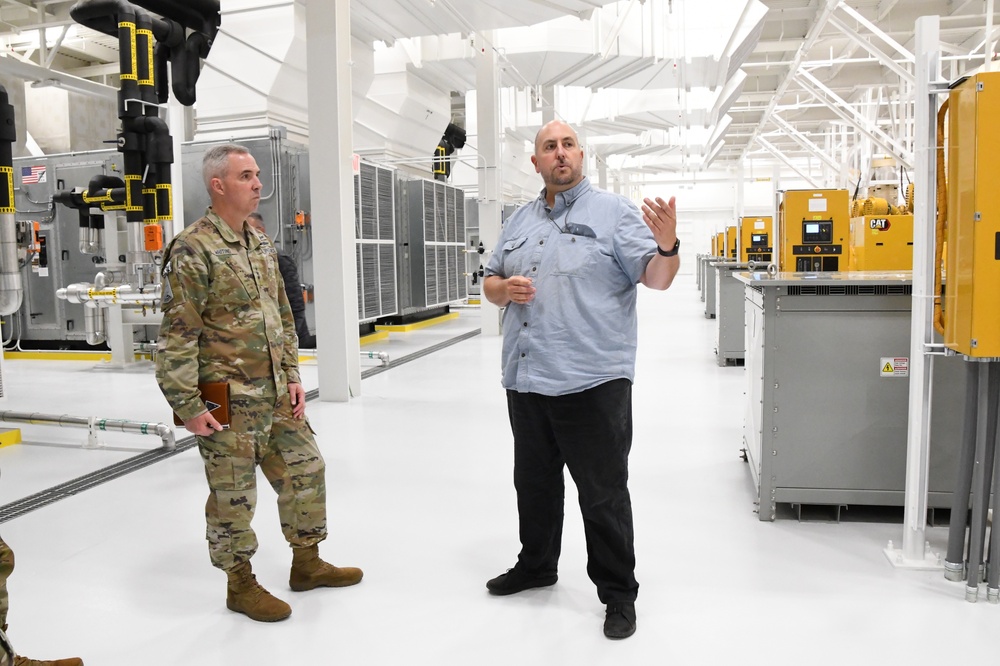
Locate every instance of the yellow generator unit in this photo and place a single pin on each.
(971, 305)
(815, 229)
(731, 243)
(881, 243)
(756, 236)
(720, 244)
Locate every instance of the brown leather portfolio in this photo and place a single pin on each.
(216, 398)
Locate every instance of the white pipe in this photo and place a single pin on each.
(93, 319)
(11, 291)
(383, 357)
(126, 294)
(163, 431)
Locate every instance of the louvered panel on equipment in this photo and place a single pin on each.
(361, 281)
(369, 273)
(451, 214)
(451, 257)
(430, 274)
(369, 230)
(375, 203)
(386, 207)
(435, 227)
(387, 280)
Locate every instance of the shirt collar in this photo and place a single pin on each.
(227, 233)
(567, 197)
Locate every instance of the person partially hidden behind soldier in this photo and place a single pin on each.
(226, 318)
(7, 655)
(293, 288)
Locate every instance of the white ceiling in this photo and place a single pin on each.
(804, 83)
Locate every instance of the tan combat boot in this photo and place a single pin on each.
(245, 595)
(310, 572)
(24, 661)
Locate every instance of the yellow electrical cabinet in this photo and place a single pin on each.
(815, 230)
(731, 243)
(756, 236)
(971, 305)
(720, 244)
(881, 243)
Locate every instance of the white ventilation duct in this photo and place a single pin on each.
(255, 77)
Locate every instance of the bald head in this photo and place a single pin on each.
(558, 157)
(554, 128)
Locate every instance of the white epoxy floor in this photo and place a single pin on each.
(420, 496)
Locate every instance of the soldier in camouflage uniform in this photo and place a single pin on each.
(226, 318)
(7, 656)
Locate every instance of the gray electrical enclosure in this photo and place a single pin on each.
(827, 394)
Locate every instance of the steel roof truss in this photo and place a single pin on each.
(800, 139)
(814, 87)
(872, 49)
(791, 165)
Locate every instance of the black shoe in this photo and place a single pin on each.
(620, 619)
(517, 580)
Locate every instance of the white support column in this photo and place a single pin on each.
(176, 121)
(488, 137)
(990, 42)
(740, 185)
(328, 54)
(914, 552)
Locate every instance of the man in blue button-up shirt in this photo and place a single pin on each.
(566, 268)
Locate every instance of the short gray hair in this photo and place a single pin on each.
(215, 163)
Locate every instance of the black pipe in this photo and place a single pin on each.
(955, 558)
(200, 15)
(144, 62)
(186, 66)
(102, 15)
(161, 58)
(8, 135)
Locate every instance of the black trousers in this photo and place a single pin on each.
(589, 432)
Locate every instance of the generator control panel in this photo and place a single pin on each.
(815, 230)
(755, 239)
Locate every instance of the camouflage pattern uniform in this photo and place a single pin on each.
(6, 567)
(226, 318)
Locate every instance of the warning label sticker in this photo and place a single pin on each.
(894, 366)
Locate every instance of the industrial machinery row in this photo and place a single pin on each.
(816, 304)
(415, 254)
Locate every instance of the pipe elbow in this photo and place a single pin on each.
(10, 301)
(166, 433)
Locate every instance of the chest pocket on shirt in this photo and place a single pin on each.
(574, 255)
(512, 256)
(233, 277)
